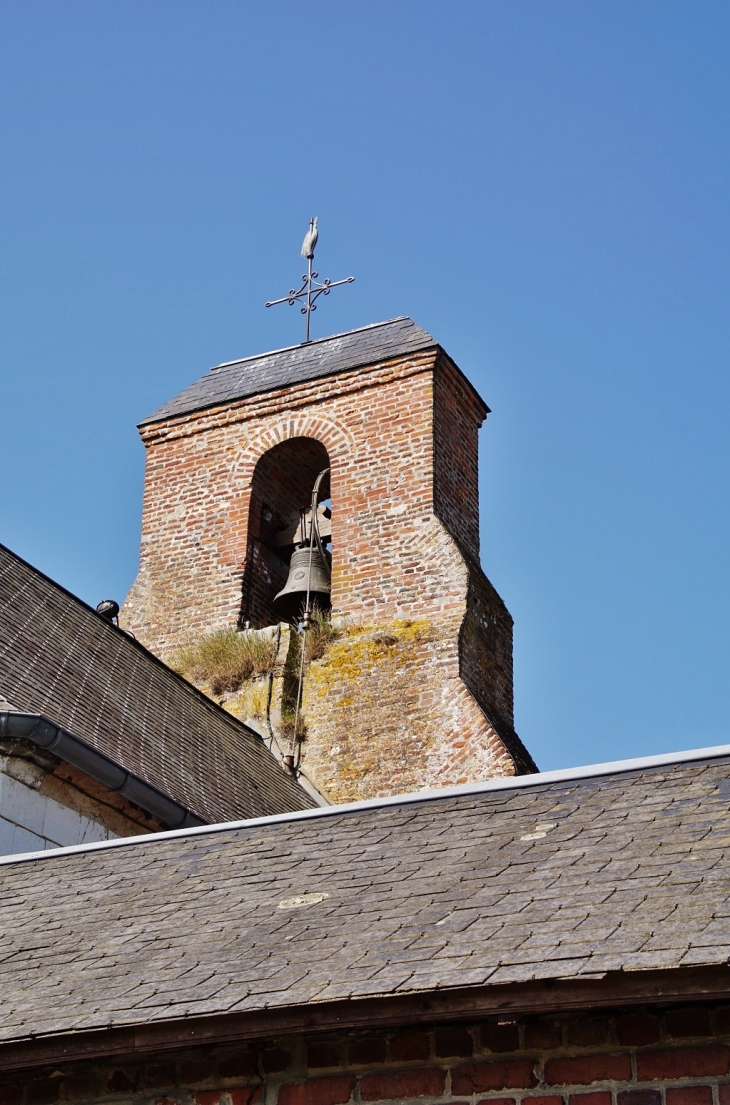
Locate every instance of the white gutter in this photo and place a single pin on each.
(519, 782)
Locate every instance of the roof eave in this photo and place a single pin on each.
(624, 989)
(49, 736)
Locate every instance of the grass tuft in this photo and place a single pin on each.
(226, 659)
(321, 632)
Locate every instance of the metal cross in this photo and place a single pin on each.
(310, 290)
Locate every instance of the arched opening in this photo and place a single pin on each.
(280, 490)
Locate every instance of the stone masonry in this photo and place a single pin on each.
(417, 691)
(634, 1056)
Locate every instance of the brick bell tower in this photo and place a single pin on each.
(417, 693)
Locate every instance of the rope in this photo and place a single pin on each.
(296, 745)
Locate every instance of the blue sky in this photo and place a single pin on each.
(543, 186)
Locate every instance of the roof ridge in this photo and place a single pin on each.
(513, 782)
(314, 341)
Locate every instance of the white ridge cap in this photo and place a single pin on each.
(511, 782)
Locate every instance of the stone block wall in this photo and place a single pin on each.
(401, 440)
(646, 1056)
(46, 803)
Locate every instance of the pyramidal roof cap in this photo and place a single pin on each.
(280, 368)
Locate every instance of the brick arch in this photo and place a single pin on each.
(266, 569)
(336, 438)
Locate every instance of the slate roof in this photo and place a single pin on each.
(59, 658)
(530, 878)
(340, 353)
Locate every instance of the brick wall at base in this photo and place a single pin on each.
(646, 1057)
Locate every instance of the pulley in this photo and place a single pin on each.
(290, 602)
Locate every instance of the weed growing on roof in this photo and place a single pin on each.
(225, 659)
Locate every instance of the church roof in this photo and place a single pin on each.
(60, 659)
(566, 875)
(283, 367)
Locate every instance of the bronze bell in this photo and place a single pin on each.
(289, 603)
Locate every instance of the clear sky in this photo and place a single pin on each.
(542, 186)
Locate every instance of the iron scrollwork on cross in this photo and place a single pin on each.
(311, 289)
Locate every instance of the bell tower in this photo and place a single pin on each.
(414, 689)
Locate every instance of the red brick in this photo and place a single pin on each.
(587, 1032)
(506, 1074)
(688, 1022)
(596, 1097)
(42, 1092)
(543, 1035)
(325, 1054)
(244, 1095)
(683, 1062)
(9, 1094)
(545, 1099)
(426, 1082)
(723, 1093)
(500, 1037)
(409, 1046)
(367, 1051)
(240, 1064)
(420, 419)
(119, 1082)
(453, 1041)
(583, 1070)
(637, 1029)
(317, 1091)
(158, 1076)
(492, 1101)
(248, 1095)
(639, 1097)
(689, 1095)
(722, 1020)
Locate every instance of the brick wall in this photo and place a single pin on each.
(458, 414)
(401, 441)
(45, 802)
(649, 1057)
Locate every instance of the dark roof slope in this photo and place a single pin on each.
(510, 882)
(60, 659)
(340, 353)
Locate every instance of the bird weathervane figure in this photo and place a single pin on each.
(310, 290)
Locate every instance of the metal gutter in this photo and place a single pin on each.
(73, 750)
(519, 782)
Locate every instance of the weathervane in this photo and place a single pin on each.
(310, 290)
